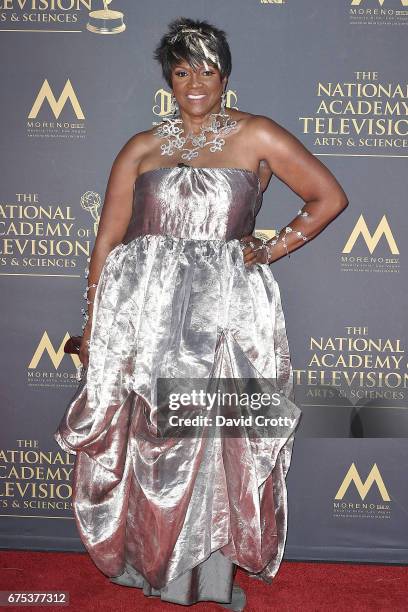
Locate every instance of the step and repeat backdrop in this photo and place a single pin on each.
(78, 80)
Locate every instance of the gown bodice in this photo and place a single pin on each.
(196, 203)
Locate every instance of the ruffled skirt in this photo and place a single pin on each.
(178, 511)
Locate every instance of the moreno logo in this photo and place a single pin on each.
(371, 240)
(363, 487)
(56, 356)
(46, 94)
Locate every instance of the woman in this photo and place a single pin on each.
(180, 288)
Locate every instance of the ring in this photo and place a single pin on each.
(251, 244)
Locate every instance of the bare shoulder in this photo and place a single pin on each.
(138, 146)
(260, 127)
(271, 140)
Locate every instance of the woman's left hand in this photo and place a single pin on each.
(252, 252)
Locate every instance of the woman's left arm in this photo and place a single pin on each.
(306, 176)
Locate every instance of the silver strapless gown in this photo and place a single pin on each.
(175, 299)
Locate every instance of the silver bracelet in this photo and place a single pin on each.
(286, 230)
(85, 312)
(88, 288)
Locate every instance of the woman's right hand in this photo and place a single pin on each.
(84, 348)
(253, 252)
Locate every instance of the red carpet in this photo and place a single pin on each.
(298, 586)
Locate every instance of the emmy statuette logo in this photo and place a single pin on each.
(371, 241)
(106, 21)
(91, 202)
(56, 106)
(363, 487)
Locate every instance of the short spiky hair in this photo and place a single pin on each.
(196, 42)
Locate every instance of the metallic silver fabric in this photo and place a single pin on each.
(175, 299)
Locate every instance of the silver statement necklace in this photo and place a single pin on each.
(172, 130)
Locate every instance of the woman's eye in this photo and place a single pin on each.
(181, 73)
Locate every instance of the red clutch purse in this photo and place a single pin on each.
(73, 345)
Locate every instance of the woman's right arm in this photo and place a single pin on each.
(114, 220)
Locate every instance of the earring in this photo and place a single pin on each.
(174, 107)
(223, 102)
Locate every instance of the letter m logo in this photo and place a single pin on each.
(56, 356)
(371, 240)
(46, 93)
(363, 488)
(380, 2)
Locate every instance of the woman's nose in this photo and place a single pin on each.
(195, 79)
